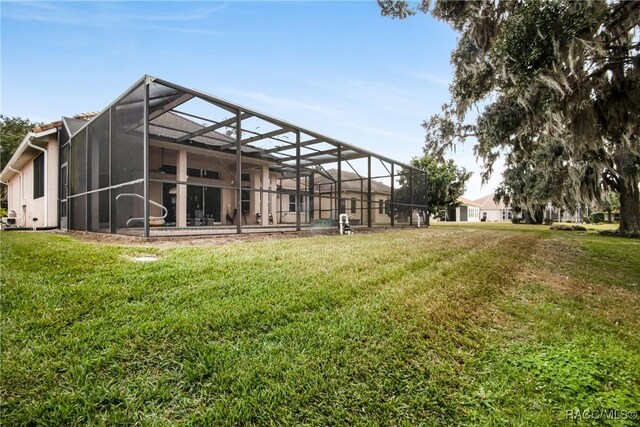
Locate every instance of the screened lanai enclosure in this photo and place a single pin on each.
(167, 160)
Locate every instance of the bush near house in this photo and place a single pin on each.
(453, 325)
(597, 217)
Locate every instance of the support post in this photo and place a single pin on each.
(369, 191)
(112, 216)
(264, 195)
(392, 208)
(181, 189)
(311, 190)
(145, 155)
(426, 199)
(361, 200)
(238, 172)
(298, 198)
(339, 182)
(87, 197)
(411, 192)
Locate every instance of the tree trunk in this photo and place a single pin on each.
(629, 206)
(539, 215)
(629, 194)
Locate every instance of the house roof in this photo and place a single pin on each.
(466, 202)
(73, 124)
(83, 118)
(172, 125)
(487, 203)
(352, 182)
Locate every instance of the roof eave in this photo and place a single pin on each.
(21, 149)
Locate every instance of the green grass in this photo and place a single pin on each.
(460, 325)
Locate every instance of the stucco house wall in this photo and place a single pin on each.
(29, 208)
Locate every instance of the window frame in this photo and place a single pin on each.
(38, 177)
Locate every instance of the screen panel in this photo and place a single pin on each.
(127, 138)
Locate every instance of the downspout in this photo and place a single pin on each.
(46, 179)
(21, 192)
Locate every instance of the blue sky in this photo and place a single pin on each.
(335, 67)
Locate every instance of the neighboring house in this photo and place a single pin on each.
(466, 211)
(491, 211)
(326, 204)
(163, 158)
(555, 213)
(353, 197)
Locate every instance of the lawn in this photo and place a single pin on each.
(487, 324)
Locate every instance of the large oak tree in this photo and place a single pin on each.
(566, 72)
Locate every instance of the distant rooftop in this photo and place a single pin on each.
(487, 202)
(466, 202)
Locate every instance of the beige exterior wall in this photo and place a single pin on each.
(496, 215)
(329, 207)
(259, 178)
(29, 208)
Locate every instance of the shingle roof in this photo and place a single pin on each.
(161, 124)
(487, 202)
(467, 202)
(173, 126)
(351, 182)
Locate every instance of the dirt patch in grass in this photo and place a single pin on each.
(206, 240)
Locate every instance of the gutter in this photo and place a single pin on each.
(46, 180)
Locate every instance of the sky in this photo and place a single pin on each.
(338, 68)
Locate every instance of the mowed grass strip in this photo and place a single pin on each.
(451, 325)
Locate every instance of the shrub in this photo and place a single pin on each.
(548, 221)
(597, 217)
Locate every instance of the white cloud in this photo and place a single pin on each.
(100, 15)
(270, 101)
(427, 76)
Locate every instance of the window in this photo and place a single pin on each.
(210, 174)
(169, 169)
(194, 172)
(353, 205)
(380, 206)
(292, 203)
(38, 176)
(246, 201)
(386, 207)
(245, 177)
